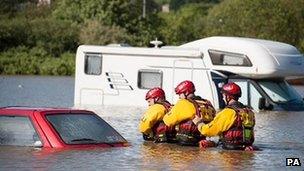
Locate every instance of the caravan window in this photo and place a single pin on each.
(149, 78)
(228, 58)
(279, 91)
(93, 63)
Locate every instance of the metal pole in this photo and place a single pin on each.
(144, 9)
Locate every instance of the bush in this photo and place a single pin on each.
(36, 61)
(95, 32)
(13, 32)
(53, 35)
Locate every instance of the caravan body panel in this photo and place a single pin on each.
(121, 76)
(119, 84)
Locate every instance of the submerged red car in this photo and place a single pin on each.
(56, 128)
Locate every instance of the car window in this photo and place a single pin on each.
(17, 130)
(83, 129)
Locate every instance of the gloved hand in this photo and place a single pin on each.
(249, 148)
(197, 120)
(206, 144)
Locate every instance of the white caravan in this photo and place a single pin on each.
(121, 76)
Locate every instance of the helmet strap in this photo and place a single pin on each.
(227, 98)
(184, 96)
(152, 102)
(230, 98)
(190, 95)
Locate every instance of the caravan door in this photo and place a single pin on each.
(182, 70)
(219, 80)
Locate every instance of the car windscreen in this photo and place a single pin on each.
(18, 131)
(84, 129)
(279, 91)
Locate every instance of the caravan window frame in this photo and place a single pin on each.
(216, 61)
(86, 63)
(139, 80)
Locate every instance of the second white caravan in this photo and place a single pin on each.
(122, 75)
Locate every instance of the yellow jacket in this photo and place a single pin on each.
(181, 111)
(222, 122)
(154, 114)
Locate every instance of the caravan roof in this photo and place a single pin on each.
(268, 58)
(144, 52)
(272, 46)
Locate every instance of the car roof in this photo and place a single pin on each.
(28, 110)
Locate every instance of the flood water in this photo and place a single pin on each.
(278, 134)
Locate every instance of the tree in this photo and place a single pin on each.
(177, 4)
(278, 20)
(10, 7)
(184, 25)
(94, 32)
(126, 14)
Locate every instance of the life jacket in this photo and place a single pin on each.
(187, 132)
(241, 133)
(204, 109)
(161, 132)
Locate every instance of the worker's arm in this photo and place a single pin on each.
(171, 118)
(154, 114)
(183, 110)
(222, 122)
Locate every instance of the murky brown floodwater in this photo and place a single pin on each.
(278, 135)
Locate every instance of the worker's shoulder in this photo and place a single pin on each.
(227, 111)
(157, 107)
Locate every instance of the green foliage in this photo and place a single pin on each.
(161, 2)
(96, 33)
(10, 7)
(184, 25)
(116, 12)
(177, 4)
(126, 14)
(266, 19)
(54, 36)
(64, 65)
(32, 11)
(13, 32)
(145, 30)
(23, 60)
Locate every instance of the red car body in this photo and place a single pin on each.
(48, 135)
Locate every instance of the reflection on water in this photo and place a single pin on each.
(188, 158)
(278, 135)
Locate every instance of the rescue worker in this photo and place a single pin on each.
(151, 124)
(184, 111)
(234, 124)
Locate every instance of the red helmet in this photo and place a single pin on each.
(155, 93)
(232, 89)
(186, 87)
